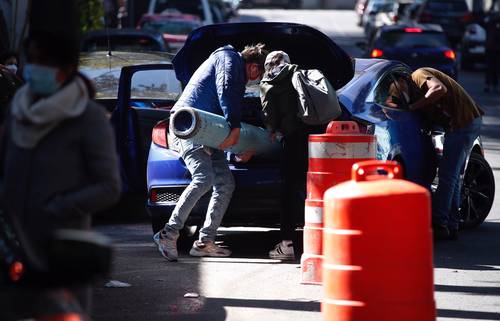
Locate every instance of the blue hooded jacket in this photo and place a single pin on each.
(218, 86)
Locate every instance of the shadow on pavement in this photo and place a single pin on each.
(267, 304)
(476, 249)
(472, 315)
(156, 288)
(479, 290)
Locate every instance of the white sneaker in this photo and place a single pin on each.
(283, 251)
(208, 249)
(167, 244)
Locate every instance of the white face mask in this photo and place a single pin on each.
(12, 68)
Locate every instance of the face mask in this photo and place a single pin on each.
(12, 68)
(41, 79)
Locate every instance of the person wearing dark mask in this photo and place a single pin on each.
(58, 161)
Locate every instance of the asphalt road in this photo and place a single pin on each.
(248, 286)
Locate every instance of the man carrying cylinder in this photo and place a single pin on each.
(217, 86)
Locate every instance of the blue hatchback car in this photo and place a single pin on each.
(417, 45)
(363, 87)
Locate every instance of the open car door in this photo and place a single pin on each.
(145, 96)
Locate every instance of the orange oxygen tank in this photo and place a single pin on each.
(331, 156)
(377, 245)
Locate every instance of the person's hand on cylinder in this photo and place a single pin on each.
(231, 139)
(245, 156)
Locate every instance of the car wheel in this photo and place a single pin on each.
(478, 191)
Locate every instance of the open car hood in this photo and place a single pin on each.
(307, 47)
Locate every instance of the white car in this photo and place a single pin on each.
(472, 45)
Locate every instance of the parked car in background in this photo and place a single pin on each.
(417, 45)
(372, 9)
(363, 86)
(452, 15)
(123, 40)
(286, 4)
(174, 27)
(379, 15)
(472, 48)
(209, 11)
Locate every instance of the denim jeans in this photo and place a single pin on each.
(457, 146)
(209, 171)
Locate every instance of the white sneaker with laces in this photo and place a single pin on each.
(167, 245)
(208, 249)
(283, 251)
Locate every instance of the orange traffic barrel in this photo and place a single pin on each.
(331, 156)
(377, 247)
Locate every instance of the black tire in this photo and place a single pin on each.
(478, 192)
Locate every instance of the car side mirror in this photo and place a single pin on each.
(76, 256)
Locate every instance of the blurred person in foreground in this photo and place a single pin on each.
(280, 106)
(217, 86)
(448, 105)
(59, 163)
(9, 82)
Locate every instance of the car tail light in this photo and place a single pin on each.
(376, 53)
(159, 134)
(425, 17)
(450, 54)
(153, 196)
(16, 271)
(62, 317)
(413, 30)
(466, 18)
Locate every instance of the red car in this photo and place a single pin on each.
(174, 27)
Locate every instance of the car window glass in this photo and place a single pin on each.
(390, 93)
(413, 39)
(445, 6)
(170, 6)
(155, 84)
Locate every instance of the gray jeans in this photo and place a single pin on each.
(209, 171)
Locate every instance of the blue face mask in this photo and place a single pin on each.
(41, 79)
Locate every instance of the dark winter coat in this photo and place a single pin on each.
(279, 101)
(71, 173)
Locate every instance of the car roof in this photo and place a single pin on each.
(427, 27)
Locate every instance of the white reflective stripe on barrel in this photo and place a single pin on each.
(313, 214)
(341, 150)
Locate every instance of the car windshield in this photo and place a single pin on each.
(121, 43)
(174, 27)
(413, 39)
(444, 6)
(179, 6)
